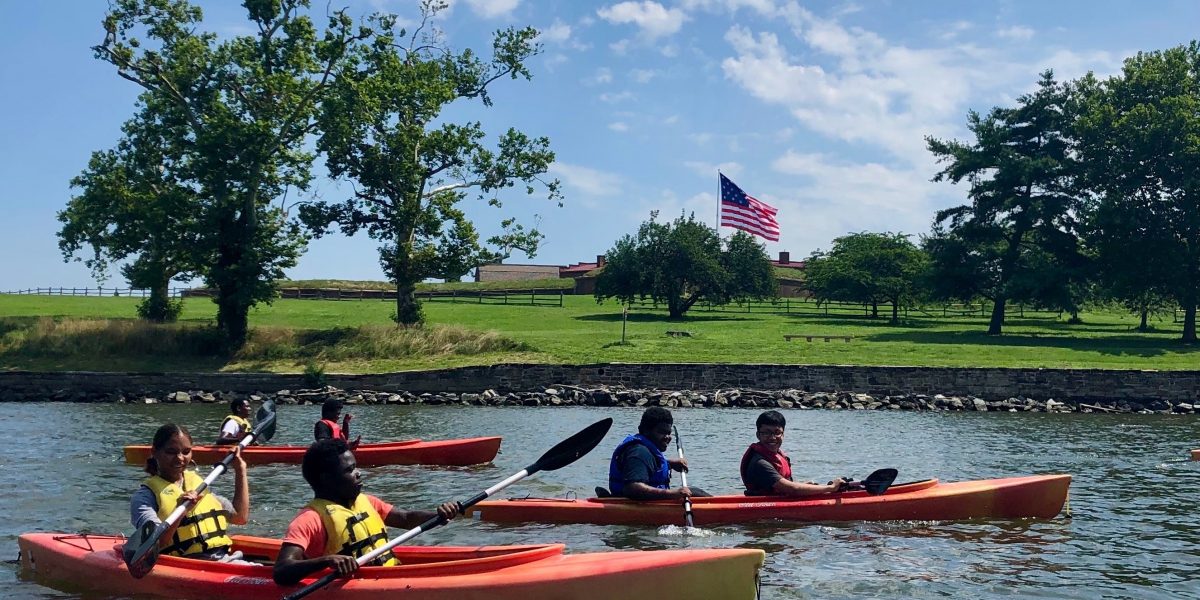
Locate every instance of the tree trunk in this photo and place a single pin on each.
(997, 322)
(408, 309)
(1189, 323)
(874, 309)
(1145, 325)
(895, 311)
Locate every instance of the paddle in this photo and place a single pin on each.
(141, 560)
(687, 502)
(876, 483)
(561, 455)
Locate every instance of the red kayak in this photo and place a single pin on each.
(460, 452)
(93, 563)
(1195, 454)
(1040, 496)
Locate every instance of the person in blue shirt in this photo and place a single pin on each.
(639, 469)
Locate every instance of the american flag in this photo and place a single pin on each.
(741, 211)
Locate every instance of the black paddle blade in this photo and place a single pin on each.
(878, 482)
(265, 415)
(572, 448)
(141, 551)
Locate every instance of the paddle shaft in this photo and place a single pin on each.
(687, 502)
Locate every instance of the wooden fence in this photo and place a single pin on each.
(94, 292)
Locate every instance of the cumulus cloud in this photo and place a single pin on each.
(602, 75)
(765, 7)
(651, 18)
(586, 180)
(707, 169)
(557, 33)
(490, 9)
(642, 75)
(618, 126)
(1016, 32)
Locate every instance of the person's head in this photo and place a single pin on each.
(170, 452)
(656, 426)
(330, 469)
(331, 409)
(240, 407)
(770, 427)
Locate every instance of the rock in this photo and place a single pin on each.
(979, 405)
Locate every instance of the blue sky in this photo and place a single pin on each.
(818, 108)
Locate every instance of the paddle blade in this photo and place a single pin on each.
(141, 552)
(265, 419)
(572, 448)
(878, 482)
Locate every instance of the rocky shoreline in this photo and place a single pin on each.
(604, 396)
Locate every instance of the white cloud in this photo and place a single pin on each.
(707, 169)
(953, 30)
(620, 46)
(490, 9)
(558, 33)
(602, 75)
(586, 180)
(651, 18)
(1016, 32)
(642, 75)
(765, 7)
(617, 97)
(671, 120)
(618, 126)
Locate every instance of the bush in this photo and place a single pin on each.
(314, 375)
(160, 310)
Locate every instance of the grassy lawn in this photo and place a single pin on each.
(584, 332)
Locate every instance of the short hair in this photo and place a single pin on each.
(161, 437)
(655, 416)
(771, 417)
(236, 402)
(331, 408)
(322, 457)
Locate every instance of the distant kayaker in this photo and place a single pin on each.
(639, 470)
(341, 523)
(328, 429)
(237, 424)
(766, 470)
(202, 532)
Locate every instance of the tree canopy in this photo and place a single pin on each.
(684, 262)
(870, 268)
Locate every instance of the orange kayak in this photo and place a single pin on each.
(93, 563)
(1037, 496)
(460, 452)
(1195, 454)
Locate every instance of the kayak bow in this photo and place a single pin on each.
(1040, 496)
(458, 452)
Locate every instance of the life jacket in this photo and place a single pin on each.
(353, 531)
(243, 424)
(779, 460)
(660, 478)
(335, 428)
(202, 529)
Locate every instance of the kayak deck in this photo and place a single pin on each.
(533, 572)
(1041, 496)
(456, 452)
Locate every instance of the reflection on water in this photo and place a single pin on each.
(1133, 534)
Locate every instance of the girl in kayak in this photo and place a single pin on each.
(341, 523)
(766, 470)
(201, 533)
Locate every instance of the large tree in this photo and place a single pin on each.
(240, 111)
(1017, 239)
(870, 268)
(1139, 135)
(135, 207)
(684, 262)
(383, 128)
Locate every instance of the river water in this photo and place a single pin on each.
(1133, 533)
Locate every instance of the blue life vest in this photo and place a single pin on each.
(660, 479)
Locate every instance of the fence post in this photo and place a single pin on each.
(560, 298)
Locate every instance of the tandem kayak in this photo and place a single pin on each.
(459, 452)
(539, 572)
(930, 500)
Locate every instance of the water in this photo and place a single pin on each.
(1134, 531)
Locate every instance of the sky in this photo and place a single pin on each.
(819, 109)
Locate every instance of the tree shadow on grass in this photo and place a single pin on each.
(1116, 345)
(659, 318)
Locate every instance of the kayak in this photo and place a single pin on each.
(79, 562)
(459, 452)
(1195, 454)
(1040, 496)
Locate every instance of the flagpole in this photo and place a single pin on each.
(718, 226)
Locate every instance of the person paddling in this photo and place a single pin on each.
(766, 470)
(341, 523)
(202, 533)
(328, 429)
(237, 424)
(639, 469)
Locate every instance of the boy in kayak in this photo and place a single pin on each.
(328, 429)
(639, 470)
(201, 533)
(237, 424)
(341, 523)
(766, 470)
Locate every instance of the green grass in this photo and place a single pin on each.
(585, 332)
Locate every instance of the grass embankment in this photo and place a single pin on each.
(353, 336)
